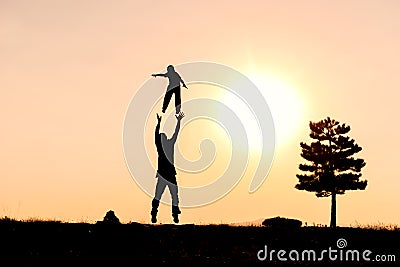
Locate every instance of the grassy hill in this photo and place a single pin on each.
(41, 243)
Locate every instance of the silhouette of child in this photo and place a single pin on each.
(166, 173)
(174, 87)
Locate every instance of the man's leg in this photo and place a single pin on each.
(154, 209)
(160, 187)
(173, 189)
(177, 91)
(167, 98)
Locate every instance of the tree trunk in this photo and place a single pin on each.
(333, 211)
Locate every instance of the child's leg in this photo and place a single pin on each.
(167, 98)
(177, 92)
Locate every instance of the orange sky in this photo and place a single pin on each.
(69, 69)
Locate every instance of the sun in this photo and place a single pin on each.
(286, 105)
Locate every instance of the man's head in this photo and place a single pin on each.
(170, 68)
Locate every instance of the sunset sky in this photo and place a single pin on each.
(69, 69)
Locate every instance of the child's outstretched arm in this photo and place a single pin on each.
(159, 74)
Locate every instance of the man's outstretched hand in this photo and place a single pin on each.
(158, 118)
(180, 116)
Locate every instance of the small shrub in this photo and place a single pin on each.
(280, 222)
(110, 218)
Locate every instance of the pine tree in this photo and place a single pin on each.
(332, 169)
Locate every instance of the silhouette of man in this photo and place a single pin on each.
(166, 173)
(174, 87)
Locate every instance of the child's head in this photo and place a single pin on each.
(170, 68)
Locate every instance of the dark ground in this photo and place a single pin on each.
(83, 244)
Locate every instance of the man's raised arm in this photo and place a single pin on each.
(178, 126)
(157, 137)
